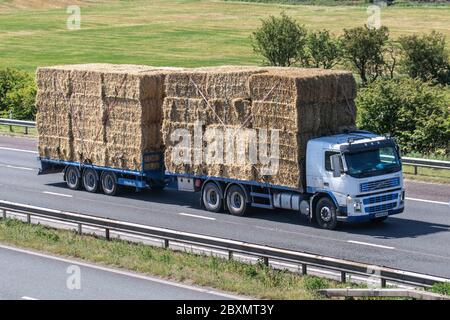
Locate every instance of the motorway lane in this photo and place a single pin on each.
(418, 240)
(30, 275)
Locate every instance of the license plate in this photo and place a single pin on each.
(381, 214)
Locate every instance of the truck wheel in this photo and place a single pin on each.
(73, 180)
(326, 213)
(236, 201)
(211, 197)
(90, 180)
(109, 183)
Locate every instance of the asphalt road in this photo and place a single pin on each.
(33, 276)
(417, 240)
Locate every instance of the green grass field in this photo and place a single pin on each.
(172, 32)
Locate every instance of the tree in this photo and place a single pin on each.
(17, 94)
(415, 112)
(364, 49)
(426, 57)
(324, 50)
(391, 57)
(280, 40)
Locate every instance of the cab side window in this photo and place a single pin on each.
(328, 155)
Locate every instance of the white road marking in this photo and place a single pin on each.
(58, 194)
(429, 201)
(195, 216)
(440, 227)
(28, 298)
(125, 273)
(20, 168)
(371, 244)
(18, 150)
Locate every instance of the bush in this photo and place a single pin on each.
(324, 50)
(364, 51)
(17, 94)
(415, 112)
(426, 57)
(441, 288)
(280, 40)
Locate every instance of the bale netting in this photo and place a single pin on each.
(107, 115)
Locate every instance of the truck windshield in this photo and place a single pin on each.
(372, 162)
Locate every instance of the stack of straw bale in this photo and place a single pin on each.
(103, 114)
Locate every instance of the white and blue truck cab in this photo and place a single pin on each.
(353, 177)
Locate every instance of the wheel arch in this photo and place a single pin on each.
(318, 195)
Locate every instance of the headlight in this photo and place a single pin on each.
(349, 200)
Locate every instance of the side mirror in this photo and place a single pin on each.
(336, 165)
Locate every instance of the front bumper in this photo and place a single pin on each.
(373, 206)
(367, 217)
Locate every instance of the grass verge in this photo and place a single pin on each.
(240, 278)
(427, 174)
(17, 131)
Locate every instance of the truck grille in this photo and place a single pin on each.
(382, 198)
(381, 207)
(379, 184)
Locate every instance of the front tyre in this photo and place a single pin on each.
(326, 215)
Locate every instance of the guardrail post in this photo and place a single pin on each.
(266, 261)
(230, 255)
(304, 269)
(28, 218)
(107, 234)
(343, 277)
(26, 130)
(383, 283)
(3, 211)
(415, 170)
(166, 243)
(80, 228)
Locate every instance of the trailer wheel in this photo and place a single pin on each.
(211, 197)
(109, 183)
(236, 201)
(73, 180)
(326, 213)
(90, 180)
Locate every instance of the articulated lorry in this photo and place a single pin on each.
(106, 126)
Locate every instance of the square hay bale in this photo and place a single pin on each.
(226, 82)
(114, 112)
(290, 85)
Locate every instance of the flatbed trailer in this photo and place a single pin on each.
(217, 193)
(351, 177)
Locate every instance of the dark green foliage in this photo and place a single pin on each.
(426, 57)
(415, 112)
(17, 94)
(441, 288)
(324, 49)
(280, 40)
(364, 50)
